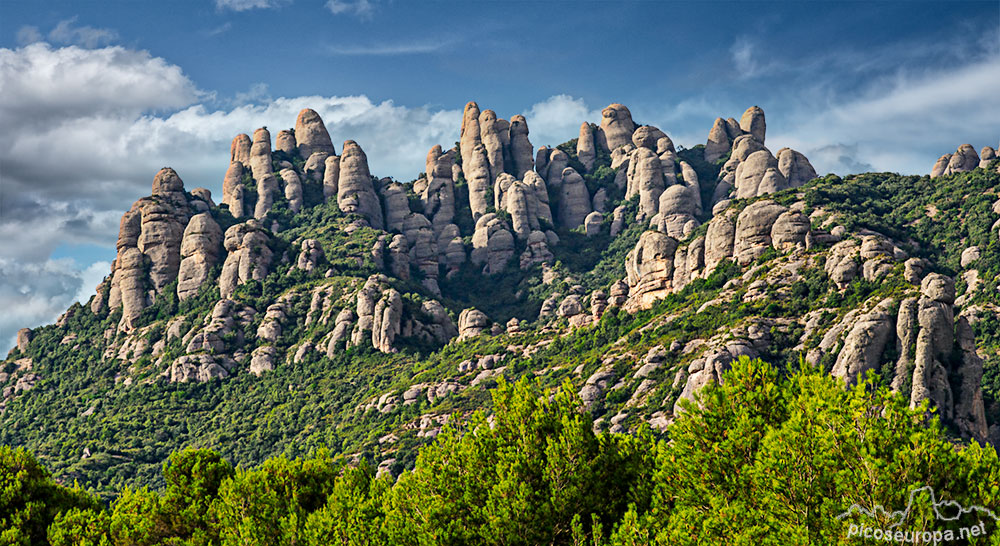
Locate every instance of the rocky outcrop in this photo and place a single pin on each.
(934, 343)
(536, 251)
(752, 122)
(964, 159)
(397, 206)
(232, 190)
(758, 175)
(200, 249)
(616, 127)
(263, 360)
(239, 150)
(718, 143)
(311, 134)
(574, 203)
(471, 323)
(753, 230)
(645, 179)
(310, 256)
(199, 368)
(866, 342)
(585, 150)
(941, 166)
(557, 164)
(315, 167)
(24, 337)
(492, 244)
(260, 154)
(521, 150)
(592, 224)
(285, 142)
(489, 133)
(267, 192)
(331, 177)
(649, 269)
(795, 167)
(438, 197)
(790, 231)
(355, 192)
(387, 315)
(986, 155)
(969, 414)
(249, 256)
(648, 136)
(476, 169)
(293, 189)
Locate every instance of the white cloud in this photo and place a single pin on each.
(411, 48)
(742, 52)
(244, 5)
(28, 35)
(363, 9)
(87, 36)
(557, 119)
(33, 294)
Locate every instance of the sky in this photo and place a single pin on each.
(95, 97)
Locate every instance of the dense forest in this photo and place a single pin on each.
(763, 458)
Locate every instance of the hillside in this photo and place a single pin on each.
(318, 306)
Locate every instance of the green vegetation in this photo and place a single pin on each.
(762, 459)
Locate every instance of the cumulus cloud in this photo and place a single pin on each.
(557, 119)
(66, 32)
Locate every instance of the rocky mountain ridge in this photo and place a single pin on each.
(496, 252)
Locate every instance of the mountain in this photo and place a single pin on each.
(320, 306)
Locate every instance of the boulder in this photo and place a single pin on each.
(750, 175)
(941, 166)
(789, 231)
(476, 168)
(865, 342)
(592, 223)
(199, 368)
(355, 192)
(969, 256)
(965, 159)
(249, 256)
(24, 336)
(585, 151)
(311, 134)
(645, 179)
(986, 155)
(310, 256)
(315, 167)
(536, 251)
(753, 122)
(795, 167)
(558, 162)
(263, 359)
(293, 189)
(649, 269)
(387, 316)
(753, 230)
(520, 147)
(647, 136)
(616, 127)
(267, 192)
(719, 242)
(201, 245)
(574, 204)
(471, 323)
(718, 143)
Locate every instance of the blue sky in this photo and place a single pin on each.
(95, 97)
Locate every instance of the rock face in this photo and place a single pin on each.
(471, 323)
(521, 150)
(200, 248)
(795, 167)
(355, 192)
(574, 204)
(293, 189)
(260, 154)
(753, 122)
(718, 143)
(758, 175)
(331, 177)
(315, 167)
(986, 155)
(285, 142)
(311, 134)
(585, 150)
(438, 197)
(753, 230)
(239, 150)
(941, 166)
(492, 244)
(267, 191)
(649, 268)
(964, 159)
(645, 179)
(397, 206)
(249, 256)
(232, 189)
(476, 169)
(490, 134)
(865, 343)
(310, 256)
(386, 317)
(24, 336)
(616, 127)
